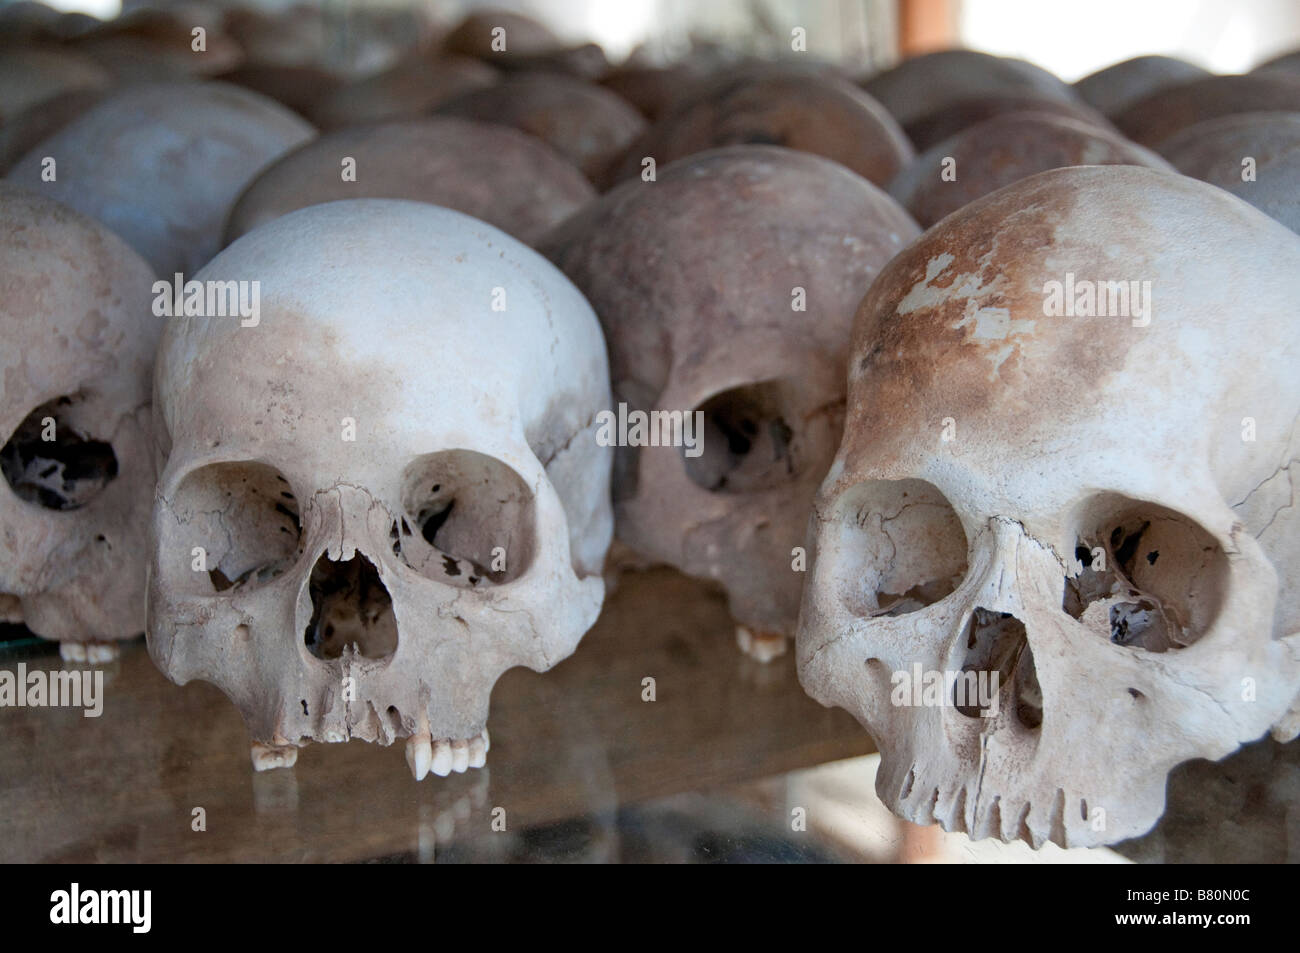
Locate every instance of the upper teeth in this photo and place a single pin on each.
(445, 755)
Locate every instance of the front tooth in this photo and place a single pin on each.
(267, 757)
(442, 759)
(459, 756)
(477, 752)
(487, 742)
(72, 651)
(419, 755)
(101, 653)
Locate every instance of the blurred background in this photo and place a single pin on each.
(1070, 39)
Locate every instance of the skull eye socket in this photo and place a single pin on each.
(244, 519)
(49, 462)
(754, 438)
(899, 546)
(1144, 576)
(468, 520)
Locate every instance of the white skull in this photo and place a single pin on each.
(727, 287)
(990, 450)
(78, 469)
(395, 486)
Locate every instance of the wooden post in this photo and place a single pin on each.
(926, 25)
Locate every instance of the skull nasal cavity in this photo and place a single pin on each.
(48, 462)
(350, 607)
(995, 643)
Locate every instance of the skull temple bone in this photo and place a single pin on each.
(1098, 509)
(389, 490)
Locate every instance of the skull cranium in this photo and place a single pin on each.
(80, 338)
(1097, 508)
(387, 492)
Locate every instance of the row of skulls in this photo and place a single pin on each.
(353, 512)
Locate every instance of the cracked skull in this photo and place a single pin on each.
(726, 289)
(386, 492)
(1090, 509)
(78, 470)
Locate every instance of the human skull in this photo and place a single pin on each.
(769, 104)
(161, 164)
(1097, 509)
(1157, 116)
(701, 280)
(1122, 84)
(1255, 156)
(29, 76)
(374, 584)
(966, 113)
(297, 87)
(158, 45)
(1002, 150)
(500, 175)
(921, 85)
(582, 121)
(78, 468)
(404, 91)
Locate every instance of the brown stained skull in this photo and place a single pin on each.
(964, 113)
(698, 278)
(78, 470)
(1003, 150)
(653, 89)
(922, 85)
(297, 87)
(496, 174)
(498, 35)
(773, 105)
(157, 46)
(1069, 502)
(1156, 117)
(515, 43)
(404, 91)
(1116, 87)
(585, 123)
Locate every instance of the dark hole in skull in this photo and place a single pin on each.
(625, 478)
(900, 544)
(1145, 576)
(753, 439)
(998, 662)
(469, 520)
(50, 462)
(350, 607)
(239, 526)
